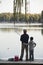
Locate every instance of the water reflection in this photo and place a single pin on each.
(10, 44)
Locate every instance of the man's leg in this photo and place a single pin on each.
(22, 52)
(26, 52)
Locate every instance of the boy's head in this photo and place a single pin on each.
(31, 38)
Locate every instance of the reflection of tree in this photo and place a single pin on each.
(17, 8)
(42, 29)
(42, 20)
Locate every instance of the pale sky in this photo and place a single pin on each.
(36, 6)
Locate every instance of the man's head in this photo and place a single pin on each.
(31, 38)
(24, 31)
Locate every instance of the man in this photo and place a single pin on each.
(31, 44)
(24, 39)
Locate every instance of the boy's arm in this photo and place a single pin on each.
(34, 44)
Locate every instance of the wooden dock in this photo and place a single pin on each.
(35, 62)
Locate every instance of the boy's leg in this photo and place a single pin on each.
(32, 55)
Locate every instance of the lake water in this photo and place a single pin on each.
(10, 44)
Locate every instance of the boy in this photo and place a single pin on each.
(32, 44)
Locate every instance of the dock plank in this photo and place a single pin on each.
(35, 62)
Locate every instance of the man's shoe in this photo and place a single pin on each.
(20, 59)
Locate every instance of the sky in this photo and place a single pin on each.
(35, 6)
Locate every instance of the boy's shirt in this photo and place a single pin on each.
(31, 44)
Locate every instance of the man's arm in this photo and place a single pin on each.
(21, 38)
(28, 37)
(25, 44)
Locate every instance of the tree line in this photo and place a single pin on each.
(30, 18)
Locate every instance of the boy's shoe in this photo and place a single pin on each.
(27, 60)
(32, 59)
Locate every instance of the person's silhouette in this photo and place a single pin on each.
(24, 39)
(32, 44)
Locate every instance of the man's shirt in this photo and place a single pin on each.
(24, 38)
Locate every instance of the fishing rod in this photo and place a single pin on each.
(16, 29)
